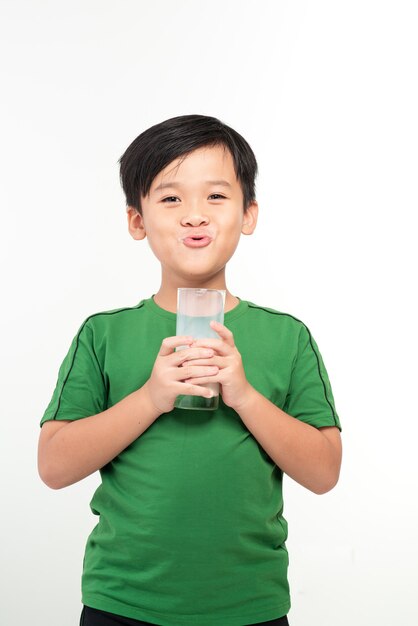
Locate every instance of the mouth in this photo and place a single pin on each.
(197, 242)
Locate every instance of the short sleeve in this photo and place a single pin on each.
(310, 397)
(80, 390)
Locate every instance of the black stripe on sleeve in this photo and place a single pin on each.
(77, 344)
(253, 306)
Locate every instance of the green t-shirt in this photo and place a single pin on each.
(191, 528)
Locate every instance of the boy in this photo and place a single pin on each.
(190, 527)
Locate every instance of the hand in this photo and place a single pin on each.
(170, 368)
(234, 386)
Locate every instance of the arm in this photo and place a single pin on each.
(71, 450)
(309, 455)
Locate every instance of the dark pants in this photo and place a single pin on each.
(94, 617)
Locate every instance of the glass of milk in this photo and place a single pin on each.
(195, 309)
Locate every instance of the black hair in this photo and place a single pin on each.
(177, 137)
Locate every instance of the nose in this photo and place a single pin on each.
(194, 219)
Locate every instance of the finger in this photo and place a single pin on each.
(202, 380)
(169, 343)
(187, 389)
(214, 360)
(192, 371)
(223, 332)
(222, 348)
(190, 354)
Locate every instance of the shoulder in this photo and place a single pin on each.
(102, 320)
(275, 317)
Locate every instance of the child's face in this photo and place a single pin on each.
(192, 204)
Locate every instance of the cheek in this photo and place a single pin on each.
(158, 243)
(232, 230)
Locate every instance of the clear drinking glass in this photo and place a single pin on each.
(195, 309)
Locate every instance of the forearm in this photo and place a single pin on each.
(300, 450)
(83, 446)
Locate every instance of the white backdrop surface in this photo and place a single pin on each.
(326, 94)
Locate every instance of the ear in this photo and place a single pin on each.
(136, 224)
(250, 219)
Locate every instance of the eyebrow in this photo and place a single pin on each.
(222, 183)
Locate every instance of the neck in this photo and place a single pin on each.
(166, 297)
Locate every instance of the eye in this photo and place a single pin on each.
(170, 199)
(218, 196)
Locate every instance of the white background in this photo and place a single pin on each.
(326, 94)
